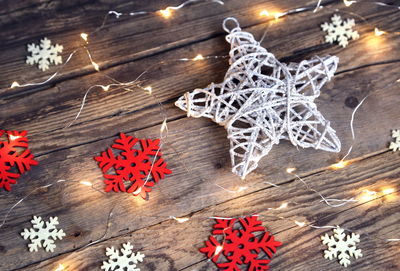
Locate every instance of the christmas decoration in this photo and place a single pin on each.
(14, 154)
(39, 232)
(133, 165)
(395, 146)
(340, 31)
(44, 54)
(239, 246)
(123, 259)
(262, 100)
(341, 246)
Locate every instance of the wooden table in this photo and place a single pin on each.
(197, 150)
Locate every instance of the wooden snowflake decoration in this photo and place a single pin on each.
(44, 54)
(262, 101)
(15, 157)
(241, 243)
(132, 170)
(395, 145)
(41, 232)
(341, 246)
(340, 31)
(123, 259)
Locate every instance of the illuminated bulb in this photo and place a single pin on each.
(96, 67)
(105, 88)
(290, 170)
(15, 84)
(84, 36)
(137, 192)
(277, 15)
(181, 219)
(368, 195)
(198, 57)
(166, 13)
(340, 164)
(164, 126)
(283, 205)
(348, 3)
(218, 250)
(379, 32)
(86, 183)
(149, 89)
(242, 188)
(13, 137)
(59, 268)
(387, 191)
(300, 224)
(264, 13)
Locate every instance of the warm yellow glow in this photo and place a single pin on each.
(198, 57)
(86, 183)
(264, 13)
(15, 84)
(181, 219)
(166, 13)
(218, 250)
(137, 192)
(105, 88)
(290, 170)
(59, 268)
(164, 126)
(13, 137)
(379, 32)
(149, 89)
(348, 3)
(242, 188)
(84, 36)
(339, 165)
(387, 191)
(277, 15)
(368, 195)
(283, 205)
(96, 67)
(300, 224)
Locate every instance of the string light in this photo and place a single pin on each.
(339, 165)
(86, 183)
(264, 13)
(388, 191)
(368, 195)
(180, 219)
(290, 170)
(15, 84)
(137, 191)
(283, 205)
(105, 88)
(148, 89)
(84, 36)
(59, 268)
(241, 188)
(198, 57)
(166, 13)
(348, 3)
(164, 126)
(96, 66)
(300, 224)
(379, 32)
(277, 15)
(13, 137)
(218, 249)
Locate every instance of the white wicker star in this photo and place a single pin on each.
(262, 100)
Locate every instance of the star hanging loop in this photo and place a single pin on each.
(262, 100)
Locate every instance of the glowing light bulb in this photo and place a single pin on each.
(86, 183)
(348, 3)
(283, 205)
(387, 191)
(290, 170)
(277, 15)
(15, 84)
(13, 137)
(84, 36)
(137, 192)
(218, 250)
(198, 57)
(340, 164)
(96, 67)
(149, 89)
(264, 13)
(180, 219)
(105, 88)
(379, 32)
(242, 188)
(166, 13)
(59, 268)
(300, 224)
(164, 126)
(368, 195)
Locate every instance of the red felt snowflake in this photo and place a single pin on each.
(239, 245)
(140, 169)
(15, 157)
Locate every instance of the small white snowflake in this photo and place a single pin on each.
(341, 246)
(39, 232)
(395, 145)
(44, 54)
(340, 30)
(126, 261)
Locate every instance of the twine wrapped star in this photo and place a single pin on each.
(262, 100)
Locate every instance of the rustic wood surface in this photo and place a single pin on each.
(195, 149)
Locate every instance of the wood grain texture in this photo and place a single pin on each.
(196, 149)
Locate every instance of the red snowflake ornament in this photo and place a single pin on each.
(15, 157)
(239, 246)
(133, 166)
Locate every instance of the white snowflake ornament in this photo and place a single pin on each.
(395, 145)
(40, 232)
(341, 246)
(340, 31)
(123, 259)
(44, 54)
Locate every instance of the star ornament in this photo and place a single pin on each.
(262, 101)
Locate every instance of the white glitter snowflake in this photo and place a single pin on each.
(340, 30)
(44, 54)
(341, 246)
(39, 232)
(126, 261)
(395, 145)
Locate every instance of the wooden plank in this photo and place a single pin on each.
(376, 220)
